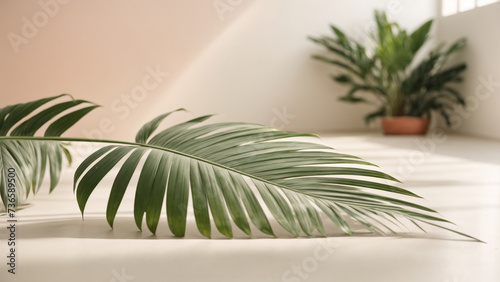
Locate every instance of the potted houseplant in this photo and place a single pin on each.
(404, 90)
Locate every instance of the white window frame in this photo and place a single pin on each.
(458, 11)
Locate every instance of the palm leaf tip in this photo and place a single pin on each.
(233, 172)
(33, 156)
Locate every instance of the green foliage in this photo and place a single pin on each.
(232, 171)
(31, 159)
(400, 86)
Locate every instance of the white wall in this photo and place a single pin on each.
(253, 65)
(261, 68)
(481, 28)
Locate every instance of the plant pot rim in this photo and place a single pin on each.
(405, 117)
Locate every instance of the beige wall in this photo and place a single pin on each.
(482, 79)
(248, 60)
(101, 50)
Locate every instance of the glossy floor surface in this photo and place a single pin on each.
(458, 176)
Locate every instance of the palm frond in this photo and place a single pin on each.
(234, 171)
(338, 63)
(456, 46)
(32, 159)
(440, 79)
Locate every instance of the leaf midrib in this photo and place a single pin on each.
(71, 139)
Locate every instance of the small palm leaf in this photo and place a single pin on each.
(231, 170)
(420, 36)
(31, 159)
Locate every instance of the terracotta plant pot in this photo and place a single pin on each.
(405, 125)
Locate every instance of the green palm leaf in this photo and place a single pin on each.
(227, 167)
(229, 172)
(31, 159)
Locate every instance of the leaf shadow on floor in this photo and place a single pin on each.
(96, 227)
